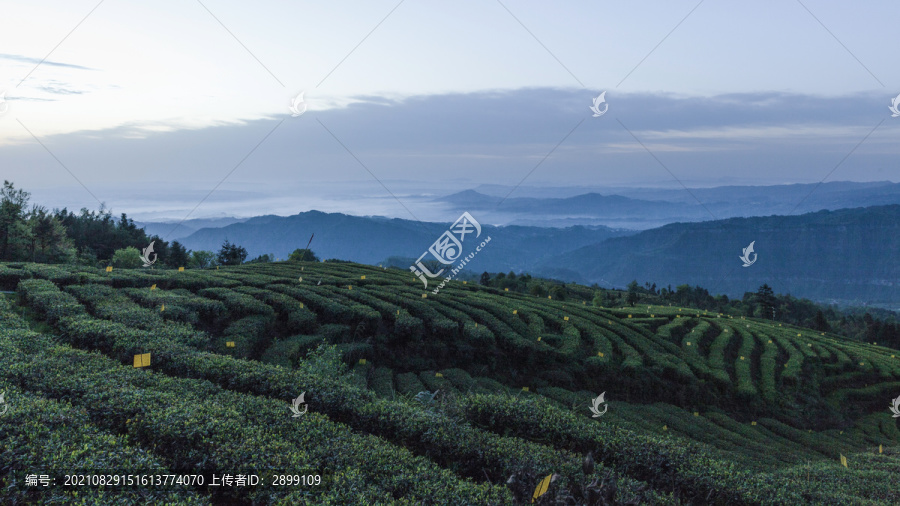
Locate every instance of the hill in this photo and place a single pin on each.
(644, 208)
(698, 408)
(845, 255)
(373, 240)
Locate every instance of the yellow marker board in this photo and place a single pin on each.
(424, 295)
(109, 268)
(752, 423)
(542, 487)
(181, 269)
(142, 360)
(515, 311)
(153, 287)
(362, 277)
(524, 389)
(566, 318)
(229, 344)
(599, 353)
(438, 375)
(539, 338)
(362, 361)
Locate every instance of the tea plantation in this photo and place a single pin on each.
(701, 408)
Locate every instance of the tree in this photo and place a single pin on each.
(127, 258)
(304, 255)
(537, 289)
(820, 323)
(231, 254)
(485, 279)
(558, 292)
(262, 259)
(633, 296)
(179, 256)
(765, 296)
(12, 208)
(202, 259)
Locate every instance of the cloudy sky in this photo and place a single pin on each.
(173, 108)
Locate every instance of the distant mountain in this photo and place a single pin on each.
(591, 208)
(645, 208)
(372, 240)
(173, 230)
(845, 255)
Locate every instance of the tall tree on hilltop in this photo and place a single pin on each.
(765, 296)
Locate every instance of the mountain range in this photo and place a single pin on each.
(849, 255)
(644, 208)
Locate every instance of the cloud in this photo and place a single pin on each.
(28, 59)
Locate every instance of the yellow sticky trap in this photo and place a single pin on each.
(424, 295)
(465, 282)
(362, 361)
(688, 343)
(162, 308)
(398, 311)
(696, 413)
(678, 316)
(861, 363)
(109, 268)
(583, 303)
(438, 375)
(549, 296)
(301, 269)
(843, 460)
(798, 335)
(770, 341)
(752, 423)
(629, 316)
(539, 338)
(524, 389)
(515, 311)
(229, 344)
(599, 353)
(362, 277)
(665, 427)
(301, 305)
(542, 487)
(349, 287)
(506, 289)
(142, 360)
(300, 279)
(880, 449)
(476, 325)
(652, 316)
(566, 318)
(181, 269)
(153, 287)
(742, 358)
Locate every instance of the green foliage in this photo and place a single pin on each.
(231, 254)
(127, 258)
(303, 255)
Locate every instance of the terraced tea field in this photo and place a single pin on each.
(702, 408)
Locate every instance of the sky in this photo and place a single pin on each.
(181, 109)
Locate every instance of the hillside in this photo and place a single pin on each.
(845, 255)
(372, 240)
(701, 408)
